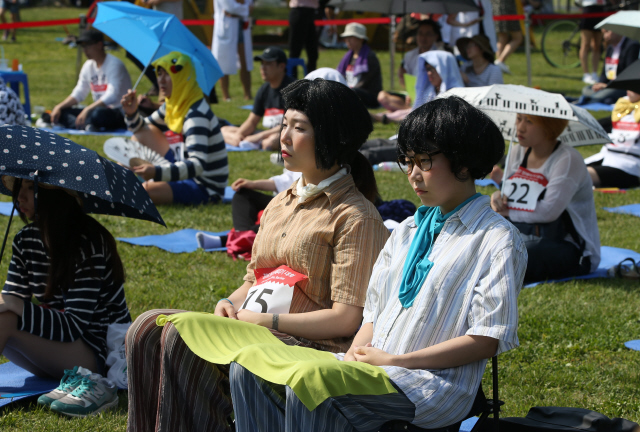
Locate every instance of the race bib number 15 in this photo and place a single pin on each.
(523, 189)
(273, 290)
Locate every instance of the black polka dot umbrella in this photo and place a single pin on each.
(103, 187)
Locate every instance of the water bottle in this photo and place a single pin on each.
(386, 166)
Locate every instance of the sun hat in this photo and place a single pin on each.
(355, 29)
(481, 41)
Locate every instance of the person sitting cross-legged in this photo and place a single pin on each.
(442, 297)
(106, 78)
(197, 175)
(268, 105)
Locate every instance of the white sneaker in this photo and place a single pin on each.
(94, 395)
(595, 77)
(503, 67)
(588, 79)
(70, 381)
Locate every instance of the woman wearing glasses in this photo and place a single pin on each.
(323, 226)
(441, 300)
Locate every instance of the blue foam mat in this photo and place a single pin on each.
(5, 209)
(597, 106)
(487, 182)
(61, 130)
(633, 345)
(631, 209)
(468, 424)
(182, 241)
(16, 383)
(609, 256)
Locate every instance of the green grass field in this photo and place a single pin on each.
(571, 334)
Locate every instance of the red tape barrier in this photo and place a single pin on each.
(280, 23)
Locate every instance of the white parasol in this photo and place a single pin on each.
(502, 102)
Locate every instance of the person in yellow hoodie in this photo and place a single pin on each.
(185, 132)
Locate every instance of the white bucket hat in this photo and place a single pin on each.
(355, 29)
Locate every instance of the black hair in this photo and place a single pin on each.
(341, 124)
(465, 135)
(435, 25)
(63, 223)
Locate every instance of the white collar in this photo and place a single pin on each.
(309, 190)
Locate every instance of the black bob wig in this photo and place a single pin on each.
(465, 135)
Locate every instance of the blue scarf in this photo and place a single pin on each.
(430, 221)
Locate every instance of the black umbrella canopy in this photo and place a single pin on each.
(628, 79)
(103, 186)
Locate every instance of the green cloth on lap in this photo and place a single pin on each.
(313, 375)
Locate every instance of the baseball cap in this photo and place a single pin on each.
(272, 54)
(90, 36)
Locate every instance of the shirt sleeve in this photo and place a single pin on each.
(196, 139)
(235, 8)
(376, 300)
(494, 305)
(564, 181)
(258, 102)
(357, 247)
(495, 75)
(284, 180)
(83, 87)
(17, 282)
(111, 97)
(79, 304)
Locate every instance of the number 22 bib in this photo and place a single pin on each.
(273, 290)
(523, 189)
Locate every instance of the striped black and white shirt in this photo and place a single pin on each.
(87, 308)
(206, 160)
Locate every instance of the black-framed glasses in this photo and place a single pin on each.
(424, 161)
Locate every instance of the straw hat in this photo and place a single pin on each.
(481, 41)
(355, 29)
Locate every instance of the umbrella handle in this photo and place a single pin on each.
(506, 161)
(6, 234)
(145, 68)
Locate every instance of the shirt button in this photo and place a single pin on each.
(284, 235)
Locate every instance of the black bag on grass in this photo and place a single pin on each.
(548, 419)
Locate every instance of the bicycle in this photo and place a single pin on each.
(560, 43)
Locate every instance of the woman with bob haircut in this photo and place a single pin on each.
(323, 226)
(442, 298)
(70, 264)
(549, 198)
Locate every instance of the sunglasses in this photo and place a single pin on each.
(423, 161)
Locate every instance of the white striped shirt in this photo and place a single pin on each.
(472, 289)
(206, 159)
(88, 307)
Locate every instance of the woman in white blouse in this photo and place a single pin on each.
(548, 196)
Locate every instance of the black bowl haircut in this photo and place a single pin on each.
(465, 135)
(341, 122)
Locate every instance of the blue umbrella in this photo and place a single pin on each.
(149, 35)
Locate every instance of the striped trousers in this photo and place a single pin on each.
(170, 388)
(261, 406)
